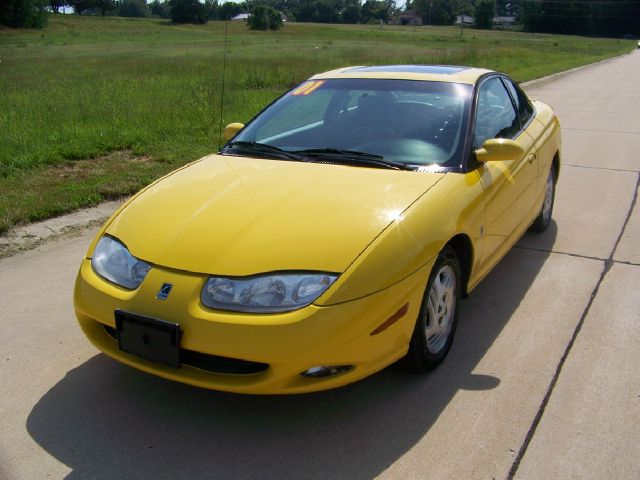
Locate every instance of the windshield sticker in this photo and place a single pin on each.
(307, 88)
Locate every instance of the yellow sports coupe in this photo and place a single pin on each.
(334, 234)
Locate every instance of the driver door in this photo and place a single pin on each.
(508, 185)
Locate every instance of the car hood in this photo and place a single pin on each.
(232, 216)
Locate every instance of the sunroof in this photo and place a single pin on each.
(435, 69)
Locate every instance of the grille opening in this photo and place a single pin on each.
(211, 363)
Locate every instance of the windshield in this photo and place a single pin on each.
(403, 122)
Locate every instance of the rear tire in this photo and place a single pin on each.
(542, 221)
(438, 318)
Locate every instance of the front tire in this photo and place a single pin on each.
(542, 221)
(438, 318)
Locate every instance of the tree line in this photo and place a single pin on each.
(584, 17)
(439, 12)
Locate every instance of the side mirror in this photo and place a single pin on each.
(499, 149)
(232, 130)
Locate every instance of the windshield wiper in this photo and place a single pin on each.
(263, 148)
(351, 156)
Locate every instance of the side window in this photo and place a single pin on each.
(525, 110)
(495, 116)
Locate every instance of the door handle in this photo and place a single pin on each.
(531, 157)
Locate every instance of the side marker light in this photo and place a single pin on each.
(391, 320)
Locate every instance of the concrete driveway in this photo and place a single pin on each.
(542, 381)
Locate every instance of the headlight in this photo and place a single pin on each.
(265, 293)
(112, 261)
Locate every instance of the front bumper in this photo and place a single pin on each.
(289, 343)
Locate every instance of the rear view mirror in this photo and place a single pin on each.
(499, 149)
(232, 130)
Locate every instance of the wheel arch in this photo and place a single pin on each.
(463, 247)
(555, 164)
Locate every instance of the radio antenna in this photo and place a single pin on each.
(224, 68)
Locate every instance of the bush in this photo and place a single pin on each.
(188, 11)
(160, 9)
(265, 17)
(211, 6)
(133, 8)
(229, 10)
(485, 11)
(23, 13)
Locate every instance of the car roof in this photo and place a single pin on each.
(434, 73)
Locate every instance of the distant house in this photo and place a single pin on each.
(243, 17)
(410, 17)
(504, 22)
(465, 20)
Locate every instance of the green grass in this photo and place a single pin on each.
(94, 108)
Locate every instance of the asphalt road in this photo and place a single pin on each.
(542, 381)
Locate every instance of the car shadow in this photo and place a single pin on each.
(106, 421)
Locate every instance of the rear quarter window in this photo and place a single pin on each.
(523, 105)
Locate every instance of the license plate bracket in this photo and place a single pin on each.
(149, 338)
